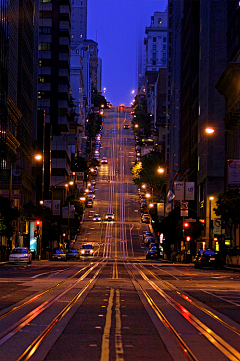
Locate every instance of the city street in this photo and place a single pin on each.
(116, 305)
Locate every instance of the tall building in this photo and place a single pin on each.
(141, 65)
(78, 22)
(20, 121)
(3, 83)
(173, 102)
(197, 35)
(53, 89)
(156, 53)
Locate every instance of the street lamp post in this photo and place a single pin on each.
(210, 216)
(36, 156)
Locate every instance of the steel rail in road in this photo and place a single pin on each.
(183, 346)
(192, 302)
(25, 320)
(224, 347)
(16, 308)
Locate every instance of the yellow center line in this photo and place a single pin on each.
(118, 334)
(106, 333)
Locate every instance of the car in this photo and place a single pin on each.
(152, 253)
(59, 254)
(104, 160)
(93, 182)
(96, 218)
(147, 234)
(198, 254)
(209, 258)
(91, 193)
(90, 197)
(149, 240)
(94, 171)
(20, 254)
(145, 218)
(73, 253)
(89, 204)
(87, 250)
(109, 217)
(126, 126)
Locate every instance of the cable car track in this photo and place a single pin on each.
(223, 346)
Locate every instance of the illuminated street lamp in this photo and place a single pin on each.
(211, 130)
(136, 126)
(148, 195)
(35, 156)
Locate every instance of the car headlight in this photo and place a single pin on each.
(91, 251)
(82, 251)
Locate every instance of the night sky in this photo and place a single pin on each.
(117, 25)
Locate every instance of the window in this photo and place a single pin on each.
(46, 109)
(44, 62)
(44, 30)
(154, 39)
(44, 46)
(164, 47)
(154, 62)
(159, 20)
(164, 39)
(154, 46)
(62, 112)
(45, 14)
(154, 56)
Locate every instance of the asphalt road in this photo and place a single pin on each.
(117, 305)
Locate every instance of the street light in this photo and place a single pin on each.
(35, 156)
(211, 130)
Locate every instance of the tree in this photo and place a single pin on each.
(228, 207)
(146, 173)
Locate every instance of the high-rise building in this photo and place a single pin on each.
(156, 53)
(53, 89)
(3, 83)
(78, 22)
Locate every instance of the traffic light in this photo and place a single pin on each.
(185, 225)
(64, 234)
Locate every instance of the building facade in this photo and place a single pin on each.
(78, 22)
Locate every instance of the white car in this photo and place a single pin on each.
(20, 254)
(96, 218)
(109, 217)
(86, 250)
(104, 160)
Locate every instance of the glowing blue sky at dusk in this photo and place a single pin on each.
(117, 25)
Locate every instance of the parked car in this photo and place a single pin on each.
(145, 218)
(109, 217)
(96, 218)
(73, 253)
(93, 182)
(126, 126)
(152, 253)
(20, 254)
(148, 241)
(147, 234)
(89, 204)
(87, 250)
(209, 258)
(104, 160)
(59, 254)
